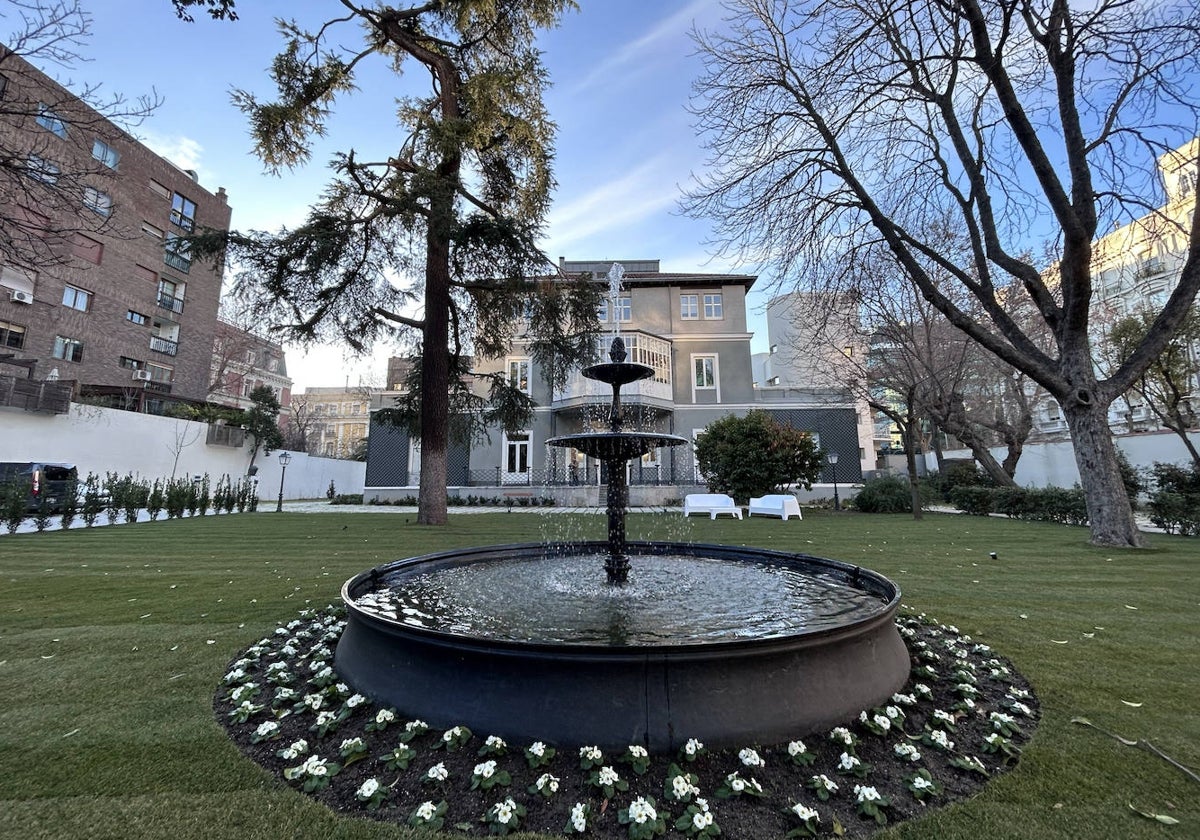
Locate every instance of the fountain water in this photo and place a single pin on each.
(728, 645)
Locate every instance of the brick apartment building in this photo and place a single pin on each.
(95, 287)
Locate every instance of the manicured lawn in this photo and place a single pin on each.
(113, 642)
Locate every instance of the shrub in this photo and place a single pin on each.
(12, 505)
(347, 499)
(958, 472)
(755, 455)
(1011, 501)
(976, 501)
(1175, 503)
(888, 494)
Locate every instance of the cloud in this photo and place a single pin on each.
(182, 151)
(634, 55)
(641, 192)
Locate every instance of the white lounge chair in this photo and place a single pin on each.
(710, 503)
(782, 506)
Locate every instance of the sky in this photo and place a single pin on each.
(621, 74)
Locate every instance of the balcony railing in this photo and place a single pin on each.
(158, 387)
(642, 348)
(170, 302)
(164, 345)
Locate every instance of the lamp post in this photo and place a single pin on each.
(833, 459)
(285, 458)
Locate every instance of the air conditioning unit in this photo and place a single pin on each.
(17, 296)
(141, 375)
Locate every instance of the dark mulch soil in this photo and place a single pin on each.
(305, 647)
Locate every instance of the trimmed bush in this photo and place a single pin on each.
(888, 494)
(977, 501)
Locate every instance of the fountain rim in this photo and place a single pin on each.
(847, 573)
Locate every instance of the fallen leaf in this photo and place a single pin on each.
(1162, 818)
(1135, 705)
(72, 732)
(1057, 642)
(1129, 607)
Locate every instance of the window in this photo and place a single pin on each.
(106, 154)
(77, 298)
(177, 253)
(68, 349)
(602, 311)
(40, 169)
(624, 310)
(183, 212)
(170, 295)
(17, 279)
(689, 307)
(136, 317)
(712, 307)
(132, 364)
(87, 248)
(160, 373)
(518, 375)
(97, 201)
(705, 368)
(51, 121)
(151, 231)
(159, 189)
(145, 274)
(12, 336)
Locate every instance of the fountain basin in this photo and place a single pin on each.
(727, 693)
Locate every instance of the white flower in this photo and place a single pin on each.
(692, 746)
(883, 722)
(921, 783)
(945, 717)
(907, 751)
(591, 753)
(681, 787)
(941, 739)
(608, 776)
(547, 781)
(438, 772)
(796, 748)
(638, 752)
(702, 819)
(923, 690)
(314, 766)
(353, 744)
(485, 770)
(416, 726)
(640, 811)
(324, 718)
(737, 784)
(265, 730)
(999, 719)
(751, 758)
(579, 817)
(355, 700)
(314, 701)
(894, 712)
(495, 742)
(537, 748)
(841, 733)
(503, 811)
(805, 813)
(368, 789)
(450, 734)
(236, 675)
(848, 762)
(1019, 693)
(427, 811)
(904, 699)
(866, 793)
(968, 703)
(382, 716)
(825, 782)
(966, 689)
(1022, 709)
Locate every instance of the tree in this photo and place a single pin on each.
(842, 127)
(1166, 385)
(48, 197)
(755, 455)
(447, 225)
(261, 421)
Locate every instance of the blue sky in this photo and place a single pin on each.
(621, 71)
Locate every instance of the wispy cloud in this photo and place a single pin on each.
(634, 54)
(182, 151)
(634, 196)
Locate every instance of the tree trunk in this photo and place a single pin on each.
(910, 460)
(991, 466)
(435, 378)
(1109, 512)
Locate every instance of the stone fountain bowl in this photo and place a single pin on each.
(727, 693)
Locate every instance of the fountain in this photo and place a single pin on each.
(729, 645)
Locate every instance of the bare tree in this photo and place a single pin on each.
(838, 127)
(52, 182)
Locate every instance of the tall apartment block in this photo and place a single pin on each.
(96, 287)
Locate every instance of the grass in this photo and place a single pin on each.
(113, 641)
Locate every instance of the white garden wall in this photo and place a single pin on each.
(100, 440)
(1052, 464)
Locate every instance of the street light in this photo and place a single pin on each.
(833, 459)
(285, 458)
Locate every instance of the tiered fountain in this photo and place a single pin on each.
(728, 645)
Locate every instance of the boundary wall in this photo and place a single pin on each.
(101, 440)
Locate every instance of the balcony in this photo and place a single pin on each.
(642, 348)
(35, 394)
(170, 302)
(158, 387)
(164, 345)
